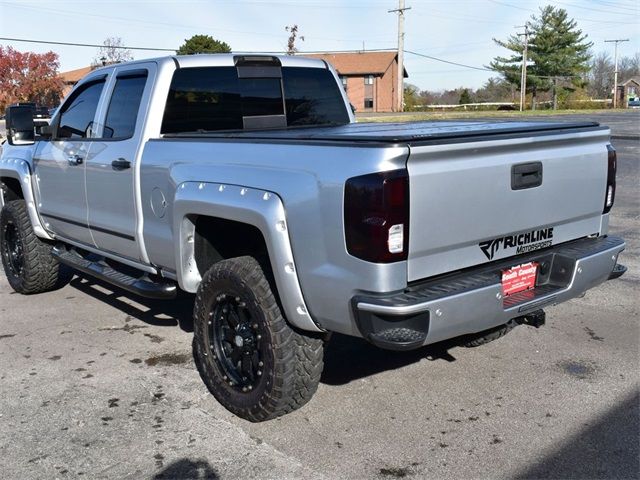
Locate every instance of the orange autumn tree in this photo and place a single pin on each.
(29, 77)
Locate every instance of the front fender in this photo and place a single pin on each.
(20, 170)
(259, 208)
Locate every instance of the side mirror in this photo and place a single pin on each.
(20, 126)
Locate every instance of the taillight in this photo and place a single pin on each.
(610, 194)
(376, 216)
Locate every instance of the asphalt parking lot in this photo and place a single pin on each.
(95, 384)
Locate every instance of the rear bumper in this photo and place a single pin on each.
(471, 300)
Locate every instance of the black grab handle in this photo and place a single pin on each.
(526, 175)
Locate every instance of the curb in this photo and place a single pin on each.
(625, 137)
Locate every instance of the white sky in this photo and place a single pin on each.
(456, 30)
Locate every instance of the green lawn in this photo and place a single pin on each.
(415, 116)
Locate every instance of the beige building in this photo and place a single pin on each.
(370, 78)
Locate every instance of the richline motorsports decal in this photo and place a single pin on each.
(524, 242)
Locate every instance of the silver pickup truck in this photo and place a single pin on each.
(245, 180)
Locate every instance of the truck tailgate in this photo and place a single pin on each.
(470, 205)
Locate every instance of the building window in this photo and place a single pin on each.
(368, 80)
(368, 103)
(343, 79)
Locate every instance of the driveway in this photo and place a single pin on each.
(99, 385)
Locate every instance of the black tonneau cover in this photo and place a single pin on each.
(403, 132)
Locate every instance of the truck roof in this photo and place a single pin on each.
(223, 60)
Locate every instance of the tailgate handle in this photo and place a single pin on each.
(526, 175)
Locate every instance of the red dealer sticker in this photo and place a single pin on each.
(519, 278)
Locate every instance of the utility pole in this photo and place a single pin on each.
(400, 85)
(615, 69)
(523, 72)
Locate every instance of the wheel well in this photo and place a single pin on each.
(11, 189)
(218, 239)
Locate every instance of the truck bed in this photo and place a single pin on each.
(421, 133)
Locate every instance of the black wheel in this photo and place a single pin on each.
(27, 260)
(486, 336)
(253, 362)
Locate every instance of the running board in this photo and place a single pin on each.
(142, 286)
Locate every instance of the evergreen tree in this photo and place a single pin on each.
(203, 44)
(558, 52)
(465, 97)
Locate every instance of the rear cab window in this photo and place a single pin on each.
(209, 99)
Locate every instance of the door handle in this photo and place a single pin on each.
(74, 159)
(121, 164)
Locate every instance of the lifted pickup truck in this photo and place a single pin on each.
(244, 179)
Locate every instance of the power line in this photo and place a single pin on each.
(72, 44)
(95, 45)
(450, 63)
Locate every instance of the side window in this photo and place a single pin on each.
(76, 115)
(123, 106)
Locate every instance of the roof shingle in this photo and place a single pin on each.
(358, 63)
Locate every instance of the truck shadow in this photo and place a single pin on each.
(348, 358)
(162, 313)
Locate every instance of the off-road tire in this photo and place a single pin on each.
(40, 271)
(486, 336)
(292, 360)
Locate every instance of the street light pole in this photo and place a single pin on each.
(400, 84)
(523, 74)
(615, 68)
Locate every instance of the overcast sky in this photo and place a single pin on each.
(456, 30)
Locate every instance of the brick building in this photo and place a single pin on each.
(627, 91)
(71, 77)
(370, 78)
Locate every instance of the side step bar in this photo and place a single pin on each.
(142, 286)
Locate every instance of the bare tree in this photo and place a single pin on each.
(629, 67)
(112, 51)
(293, 36)
(600, 76)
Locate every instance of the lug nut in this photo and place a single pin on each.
(259, 373)
(255, 326)
(260, 364)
